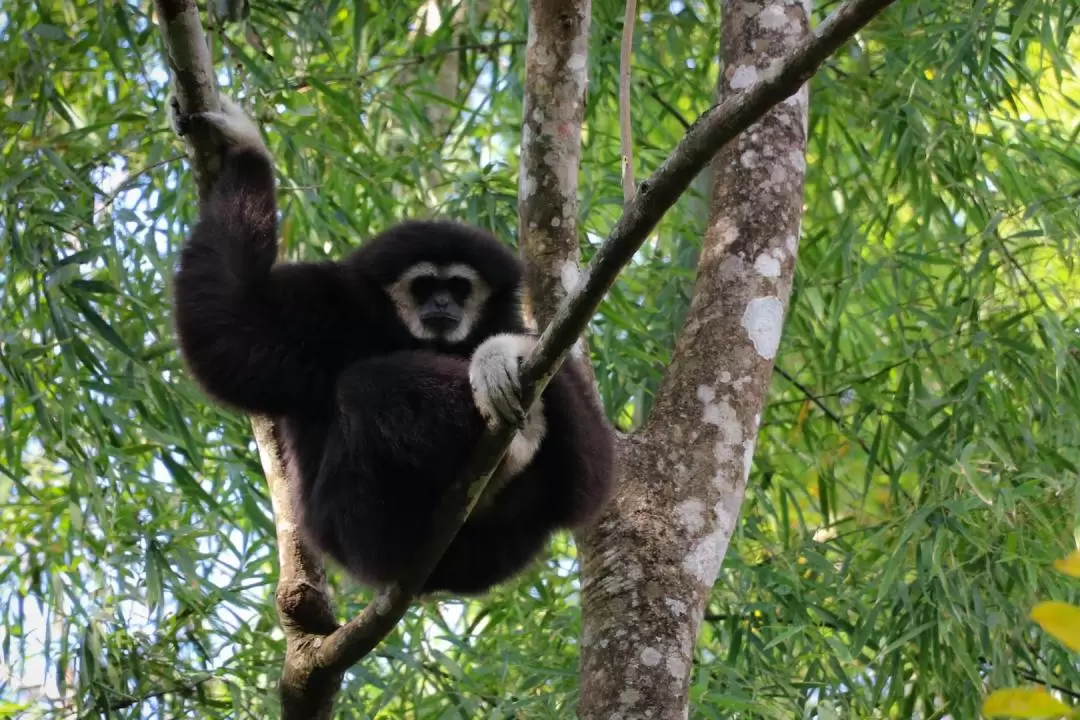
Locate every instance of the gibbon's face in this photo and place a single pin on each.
(439, 302)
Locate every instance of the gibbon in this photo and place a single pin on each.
(381, 371)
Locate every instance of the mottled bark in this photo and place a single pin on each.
(555, 79)
(652, 560)
(302, 599)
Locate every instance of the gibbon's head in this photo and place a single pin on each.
(448, 283)
(439, 302)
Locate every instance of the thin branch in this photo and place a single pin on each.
(112, 705)
(836, 419)
(671, 109)
(404, 61)
(123, 187)
(625, 131)
(1032, 677)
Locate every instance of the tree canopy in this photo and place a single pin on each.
(916, 472)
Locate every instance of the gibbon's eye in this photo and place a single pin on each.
(422, 287)
(459, 288)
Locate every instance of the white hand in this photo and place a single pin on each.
(233, 129)
(495, 377)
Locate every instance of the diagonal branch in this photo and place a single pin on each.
(711, 131)
(315, 660)
(658, 193)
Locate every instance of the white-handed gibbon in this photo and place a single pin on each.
(381, 371)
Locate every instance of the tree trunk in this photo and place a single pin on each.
(556, 57)
(652, 561)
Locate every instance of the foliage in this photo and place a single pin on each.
(1061, 620)
(915, 476)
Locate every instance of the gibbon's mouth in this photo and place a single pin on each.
(440, 321)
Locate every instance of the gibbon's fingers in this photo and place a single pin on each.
(495, 379)
(233, 129)
(502, 389)
(505, 392)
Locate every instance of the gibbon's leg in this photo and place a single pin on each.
(258, 336)
(405, 426)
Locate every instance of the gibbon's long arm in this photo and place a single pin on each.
(258, 336)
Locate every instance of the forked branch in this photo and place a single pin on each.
(318, 653)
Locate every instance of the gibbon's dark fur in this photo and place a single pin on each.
(375, 423)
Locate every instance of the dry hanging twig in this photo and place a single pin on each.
(625, 137)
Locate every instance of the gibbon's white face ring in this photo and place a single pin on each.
(408, 310)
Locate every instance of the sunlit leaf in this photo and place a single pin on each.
(1024, 703)
(1060, 619)
(1070, 564)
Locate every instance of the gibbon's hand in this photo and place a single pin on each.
(231, 128)
(495, 377)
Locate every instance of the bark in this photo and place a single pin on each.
(555, 80)
(651, 562)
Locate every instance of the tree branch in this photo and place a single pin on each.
(836, 419)
(555, 81)
(685, 470)
(302, 600)
(711, 131)
(108, 706)
(314, 663)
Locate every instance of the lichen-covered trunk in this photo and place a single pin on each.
(651, 562)
(555, 78)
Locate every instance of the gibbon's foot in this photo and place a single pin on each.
(494, 374)
(525, 444)
(231, 128)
